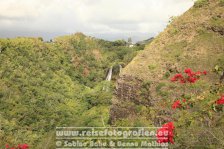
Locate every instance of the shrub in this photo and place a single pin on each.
(221, 2)
(200, 3)
(152, 66)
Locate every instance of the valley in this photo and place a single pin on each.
(173, 82)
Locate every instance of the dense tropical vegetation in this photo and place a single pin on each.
(59, 83)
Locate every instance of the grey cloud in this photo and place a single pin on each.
(108, 19)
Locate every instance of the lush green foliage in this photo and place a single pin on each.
(44, 85)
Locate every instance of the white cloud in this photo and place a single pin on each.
(95, 17)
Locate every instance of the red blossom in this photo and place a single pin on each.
(179, 75)
(176, 77)
(165, 134)
(191, 76)
(176, 104)
(198, 73)
(25, 146)
(220, 101)
(188, 71)
(20, 146)
(173, 79)
(182, 81)
(192, 79)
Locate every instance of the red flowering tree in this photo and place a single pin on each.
(187, 77)
(165, 134)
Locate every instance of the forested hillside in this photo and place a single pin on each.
(58, 83)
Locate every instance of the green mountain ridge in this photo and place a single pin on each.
(145, 94)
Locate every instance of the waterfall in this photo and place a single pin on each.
(120, 69)
(109, 75)
(108, 78)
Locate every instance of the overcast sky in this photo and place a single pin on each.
(108, 19)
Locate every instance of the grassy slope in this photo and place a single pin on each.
(194, 40)
(186, 42)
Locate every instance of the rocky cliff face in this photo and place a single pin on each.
(194, 40)
(127, 89)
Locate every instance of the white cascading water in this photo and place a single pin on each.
(108, 78)
(120, 69)
(109, 75)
